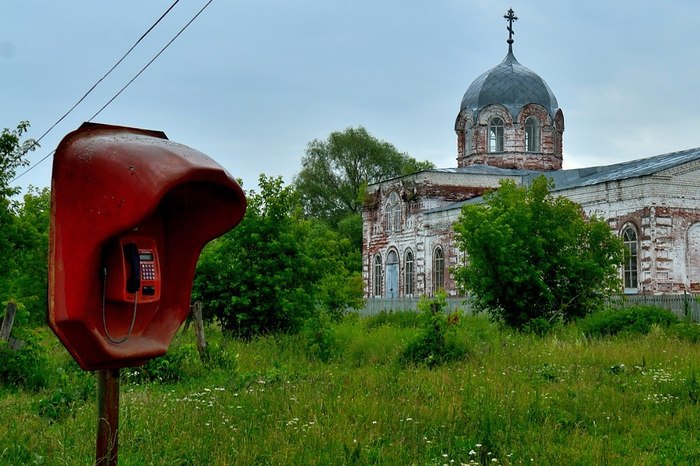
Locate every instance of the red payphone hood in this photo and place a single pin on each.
(111, 180)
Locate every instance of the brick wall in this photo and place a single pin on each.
(663, 208)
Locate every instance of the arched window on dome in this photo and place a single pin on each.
(533, 135)
(630, 266)
(496, 128)
(468, 139)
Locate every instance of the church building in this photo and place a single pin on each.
(509, 125)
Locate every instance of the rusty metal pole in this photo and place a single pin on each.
(107, 448)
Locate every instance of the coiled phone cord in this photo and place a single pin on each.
(104, 312)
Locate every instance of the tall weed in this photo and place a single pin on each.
(319, 335)
(400, 319)
(436, 343)
(26, 366)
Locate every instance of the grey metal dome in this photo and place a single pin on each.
(511, 85)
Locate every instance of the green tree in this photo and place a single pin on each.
(534, 257)
(336, 171)
(273, 271)
(339, 263)
(12, 152)
(13, 239)
(28, 263)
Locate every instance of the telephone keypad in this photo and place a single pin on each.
(148, 271)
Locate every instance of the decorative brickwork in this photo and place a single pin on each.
(510, 126)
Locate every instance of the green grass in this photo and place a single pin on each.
(515, 399)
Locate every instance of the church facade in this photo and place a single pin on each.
(509, 125)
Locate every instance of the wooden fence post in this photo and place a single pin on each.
(199, 330)
(8, 321)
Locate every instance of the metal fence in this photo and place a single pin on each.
(682, 304)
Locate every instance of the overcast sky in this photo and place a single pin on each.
(251, 82)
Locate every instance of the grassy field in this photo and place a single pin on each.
(561, 399)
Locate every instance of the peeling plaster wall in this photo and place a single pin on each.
(421, 231)
(664, 209)
(514, 153)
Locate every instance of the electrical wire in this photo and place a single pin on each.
(110, 70)
(152, 60)
(123, 88)
(104, 313)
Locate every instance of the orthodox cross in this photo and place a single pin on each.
(510, 17)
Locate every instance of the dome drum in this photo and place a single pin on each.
(509, 118)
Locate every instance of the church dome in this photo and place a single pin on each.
(511, 85)
(509, 118)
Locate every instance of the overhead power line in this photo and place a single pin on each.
(108, 72)
(152, 60)
(124, 87)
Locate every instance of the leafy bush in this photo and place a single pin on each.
(436, 343)
(686, 331)
(267, 275)
(25, 366)
(540, 326)
(635, 319)
(534, 255)
(319, 337)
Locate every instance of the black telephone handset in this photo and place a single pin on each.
(132, 269)
(131, 257)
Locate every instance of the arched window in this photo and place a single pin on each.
(438, 269)
(397, 213)
(388, 220)
(393, 213)
(468, 139)
(496, 127)
(377, 275)
(631, 264)
(692, 255)
(532, 134)
(408, 274)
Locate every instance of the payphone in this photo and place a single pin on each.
(130, 274)
(130, 214)
(131, 271)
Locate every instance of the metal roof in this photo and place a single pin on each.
(579, 177)
(572, 178)
(509, 84)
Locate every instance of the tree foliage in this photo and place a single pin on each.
(336, 171)
(27, 266)
(534, 257)
(12, 152)
(273, 270)
(23, 228)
